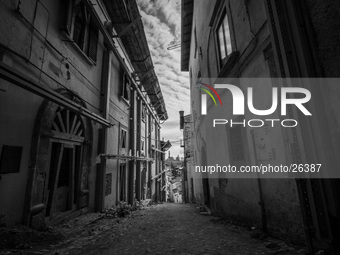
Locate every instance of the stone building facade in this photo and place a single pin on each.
(225, 39)
(80, 109)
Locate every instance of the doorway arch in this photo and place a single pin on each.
(60, 163)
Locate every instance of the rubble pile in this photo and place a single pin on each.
(21, 237)
(73, 233)
(122, 210)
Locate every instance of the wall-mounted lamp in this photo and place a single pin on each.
(181, 120)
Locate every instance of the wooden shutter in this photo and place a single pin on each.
(93, 41)
(122, 87)
(67, 9)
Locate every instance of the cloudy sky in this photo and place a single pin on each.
(162, 24)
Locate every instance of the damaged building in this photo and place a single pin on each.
(265, 39)
(80, 110)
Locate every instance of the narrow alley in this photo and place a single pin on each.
(169, 228)
(169, 127)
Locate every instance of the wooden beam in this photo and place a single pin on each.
(17, 78)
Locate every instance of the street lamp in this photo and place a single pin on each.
(181, 120)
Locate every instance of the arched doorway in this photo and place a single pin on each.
(65, 163)
(60, 163)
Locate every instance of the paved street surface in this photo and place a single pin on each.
(162, 229)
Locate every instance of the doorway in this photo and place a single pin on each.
(206, 191)
(63, 182)
(122, 183)
(60, 163)
(64, 175)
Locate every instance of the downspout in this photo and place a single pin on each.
(159, 163)
(138, 148)
(184, 193)
(103, 133)
(132, 147)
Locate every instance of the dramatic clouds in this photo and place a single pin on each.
(162, 26)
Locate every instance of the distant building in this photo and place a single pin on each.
(80, 110)
(225, 39)
(188, 168)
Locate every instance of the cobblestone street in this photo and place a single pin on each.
(162, 229)
(169, 127)
(179, 229)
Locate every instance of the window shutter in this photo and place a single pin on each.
(122, 79)
(67, 10)
(93, 42)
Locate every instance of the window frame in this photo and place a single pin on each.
(90, 38)
(142, 147)
(123, 139)
(221, 23)
(126, 88)
(143, 113)
(221, 11)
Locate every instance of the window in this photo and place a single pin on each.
(81, 28)
(143, 113)
(126, 87)
(237, 150)
(123, 138)
(142, 147)
(224, 38)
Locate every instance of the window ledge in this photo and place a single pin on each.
(125, 100)
(229, 64)
(69, 41)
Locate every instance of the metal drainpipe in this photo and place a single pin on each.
(102, 139)
(132, 147)
(138, 148)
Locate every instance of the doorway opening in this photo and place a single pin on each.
(63, 188)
